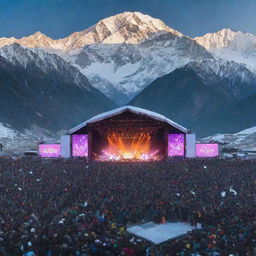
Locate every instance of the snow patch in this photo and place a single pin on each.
(248, 131)
(5, 131)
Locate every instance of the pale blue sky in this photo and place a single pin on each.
(59, 18)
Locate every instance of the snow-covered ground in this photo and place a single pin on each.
(6, 131)
(15, 142)
(243, 141)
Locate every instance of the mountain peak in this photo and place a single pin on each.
(126, 27)
(226, 38)
(38, 34)
(218, 39)
(36, 40)
(226, 31)
(132, 27)
(236, 46)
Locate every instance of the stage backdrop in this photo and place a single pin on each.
(207, 150)
(49, 150)
(80, 145)
(176, 145)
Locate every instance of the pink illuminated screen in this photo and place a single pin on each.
(80, 145)
(176, 145)
(49, 150)
(207, 150)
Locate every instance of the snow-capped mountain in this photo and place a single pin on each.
(127, 27)
(121, 54)
(227, 44)
(129, 51)
(132, 50)
(131, 67)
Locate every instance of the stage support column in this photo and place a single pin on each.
(166, 142)
(65, 143)
(190, 145)
(89, 145)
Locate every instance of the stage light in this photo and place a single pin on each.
(128, 147)
(128, 156)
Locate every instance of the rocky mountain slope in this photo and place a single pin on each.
(131, 67)
(44, 96)
(203, 96)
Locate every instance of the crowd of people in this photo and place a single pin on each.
(71, 208)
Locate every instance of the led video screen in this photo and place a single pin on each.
(80, 145)
(207, 150)
(49, 150)
(176, 145)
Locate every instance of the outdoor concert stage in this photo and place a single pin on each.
(128, 134)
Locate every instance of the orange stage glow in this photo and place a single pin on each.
(123, 147)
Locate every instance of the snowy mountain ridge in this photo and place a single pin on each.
(211, 70)
(112, 30)
(131, 67)
(227, 44)
(122, 54)
(20, 55)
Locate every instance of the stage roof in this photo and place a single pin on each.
(136, 110)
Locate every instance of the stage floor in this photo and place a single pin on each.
(159, 233)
